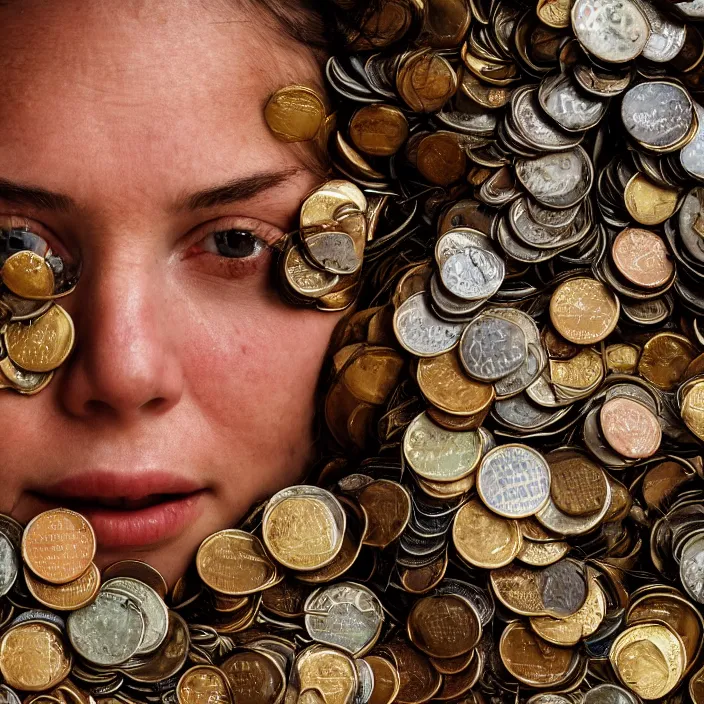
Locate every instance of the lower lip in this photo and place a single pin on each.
(142, 527)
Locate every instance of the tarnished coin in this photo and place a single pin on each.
(441, 158)
(28, 275)
(33, 657)
(436, 454)
(615, 33)
(426, 81)
(8, 565)
(346, 615)
(154, 611)
(484, 539)
(203, 684)
(303, 527)
(334, 252)
(514, 481)
(692, 567)
(58, 545)
(295, 113)
(492, 348)
(379, 130)
(563, 588)
(649, 658)
(107, 632)
(388, 508)
(65, 597)
(44, 343)
(630, 427)
(578, 486)
(657, 114)
(444, 626)
(420, 332)
(386, 680)
(584, 311)
(254, 677)
(234, 562)
(642, 257)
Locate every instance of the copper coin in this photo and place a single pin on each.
(255, 677)
(630, 427)
(577, 485)
(203, 683)
(642, 257)
(65, 597)
(441, 159)
(665, 359)
(379, 130)
(58, 545)
(388, 508)
(419, 680)
(386, 680)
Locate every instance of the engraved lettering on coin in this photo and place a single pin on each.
(203, 684)
(254, 677)
(492, 347)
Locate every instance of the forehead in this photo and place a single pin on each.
(140, 88)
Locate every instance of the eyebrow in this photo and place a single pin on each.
(237, 189)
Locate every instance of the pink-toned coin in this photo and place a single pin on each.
(631, 428)
(642, 257)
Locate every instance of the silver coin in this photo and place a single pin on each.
(514, 481)
(346, 615)
(492, 347)
(458, 240)
(572, 109)
(12, 531)
(445, 304)
(558, 180)
(691, 213)
(519, 412)
(693, 10)
(535, 235)
(306, 279)
(473, 274)
(609, 694)
(612, 30)
(548, 217)
(365, 685)
(107, 632)
(333, 251)
(535, 127)
(549, 699)
(657, 114)
(437, 454)
(154, 611)
(8, 696)
(9, 565)
(667, 34)
(512, 384)
(420, 332)
(692, 567)
(39, 615)
(563, 588)
(692, 156)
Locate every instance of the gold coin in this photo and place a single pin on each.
(696, 367)
(28, 275)
(641, 257)
(447, 490)
(453, 666)
(379, 130)
(457, 423)
(44, 343)
(373, 374)
(321, 207)
(665, 359)
(295, 113)
(28, 383)
(446, 386)
(329, 671)
(444, 626)
(517, 588)
(484, 539)
(65, 597)
(582, 371)
(286, 598)
(696, 686)
(386, 680)
(254, 677)
(531, 660)
(578, 486)
(203, 684)
(649, 658)
(34, 657)
(649, 203)
(630, 427)
(441, 159)
(584, 311)
(542, 554)
(693, 409)
(388, 508)
(304, 532)
(58, 546)
(234, 562)
(622, 358)
(554, 13)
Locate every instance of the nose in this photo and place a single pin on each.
(125, 362)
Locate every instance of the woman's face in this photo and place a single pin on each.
(190, 393)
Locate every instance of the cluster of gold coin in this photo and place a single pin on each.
(37, 333)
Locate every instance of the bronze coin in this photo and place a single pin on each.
(386, 680)
(642, 257)
(578, 486)
(441, 159)
(255, 677)
(665, 359)
(388, 508)
(379, 130)
(65, 597)
(630, 427)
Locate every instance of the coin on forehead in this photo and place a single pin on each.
(254, 677)
(65, 597)
(578, 486)
(444, 626)
(386, 680)
(437, 454)
(420, 332)
(295, 113)
(27, 274)
(649, 658)
(329, 671)
(649, 203)
(492, 347)
(612, 33)
(378, 129)
(642, 257)
(303, 527)
(203, 684)
(388, 508)
(33, 657)
(107, 632)
(584, 311)
(484, 539)
(514, 481)
(44, 343)
(345, 615)
(58, 545)
(8, 564)
(630, 427)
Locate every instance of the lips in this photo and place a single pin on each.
(127, 510)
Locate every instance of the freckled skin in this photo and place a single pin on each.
(185, 362)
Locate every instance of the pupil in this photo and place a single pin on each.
(236, 243)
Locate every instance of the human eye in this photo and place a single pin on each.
(18, 236)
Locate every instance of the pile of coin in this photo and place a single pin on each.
(37, 333)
